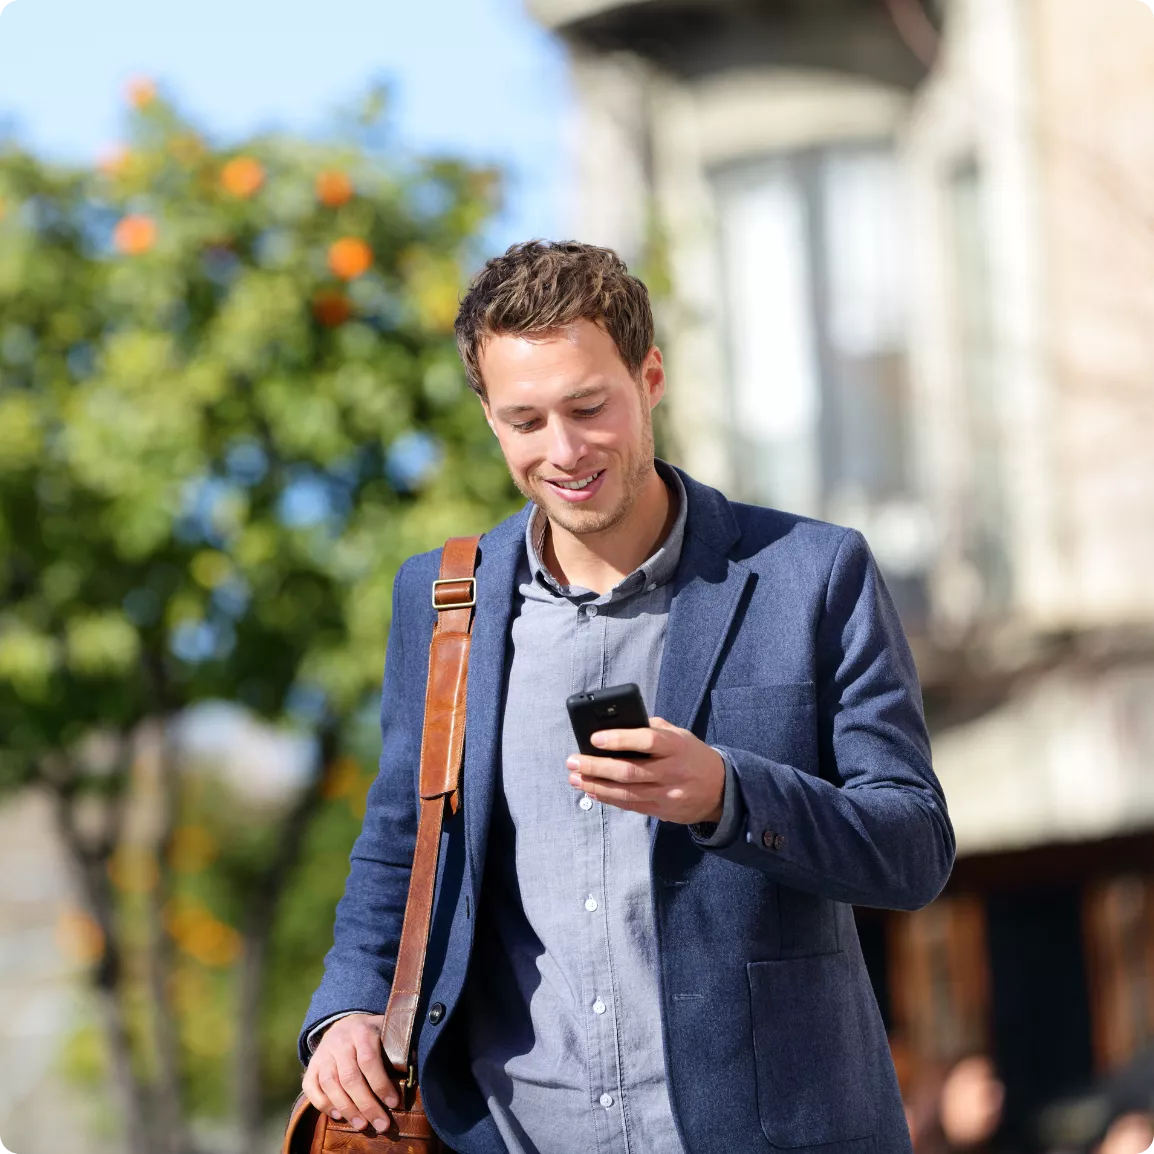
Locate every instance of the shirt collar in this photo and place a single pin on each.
(656, 570)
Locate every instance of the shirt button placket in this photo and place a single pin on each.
(588, 656)
(597, 640)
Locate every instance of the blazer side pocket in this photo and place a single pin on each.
(789, 694)
(816, 1079)
(778, 722)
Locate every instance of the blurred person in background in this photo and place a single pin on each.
(958, 1108)
(732, 866)
(971, 1106)
(1130, 1134)
(1115, 1115)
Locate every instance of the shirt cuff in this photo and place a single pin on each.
(314, 1035)
(715, 835)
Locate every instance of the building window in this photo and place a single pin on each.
(774, 374)
(985, 515)
(812, 246)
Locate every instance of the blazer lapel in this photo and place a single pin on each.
(707, 590)
(500, 551)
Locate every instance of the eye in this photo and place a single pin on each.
(524, 426)
(590, 412)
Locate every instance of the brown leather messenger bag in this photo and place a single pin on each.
(442, 746)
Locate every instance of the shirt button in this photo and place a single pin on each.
(650, 588)
(586, 802)
(599, 1007)
(606, 1100)
(591, 903)
(590, 610)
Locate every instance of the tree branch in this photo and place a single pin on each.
(171, 1130)
(92, 873)
(262, 910)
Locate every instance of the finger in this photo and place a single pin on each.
(659, 723)
(368, 1104)
(342, 1105)
(314, 1093)
(643, 798)
(373, 1067)
(610, 769)
(640, 740)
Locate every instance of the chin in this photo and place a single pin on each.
(582, 522)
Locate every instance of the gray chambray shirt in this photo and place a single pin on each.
(562, 1002)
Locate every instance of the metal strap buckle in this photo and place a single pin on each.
(472, 582)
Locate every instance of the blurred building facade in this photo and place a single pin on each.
(903, 252)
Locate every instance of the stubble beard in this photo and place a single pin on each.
(582, 522)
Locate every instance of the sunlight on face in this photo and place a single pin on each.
(575, 426)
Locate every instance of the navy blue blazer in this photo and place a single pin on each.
(783, 648)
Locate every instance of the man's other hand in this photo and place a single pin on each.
(347, 1078)
(682, 779)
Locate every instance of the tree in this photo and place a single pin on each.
(230, 405)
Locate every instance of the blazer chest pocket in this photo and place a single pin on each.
(816, 1080)
(773, 721)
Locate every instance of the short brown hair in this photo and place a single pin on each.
(540, 286)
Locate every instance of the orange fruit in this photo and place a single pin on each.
(135, 234)
(79, 936)
(242, 176)
(140, 91)
(334, 188)
(350, 257)
(332, 307)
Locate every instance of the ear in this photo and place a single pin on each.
(653, 376)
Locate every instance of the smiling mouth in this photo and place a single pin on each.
(582, 483)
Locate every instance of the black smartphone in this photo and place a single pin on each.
(615, 707)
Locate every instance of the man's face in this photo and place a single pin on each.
(574, 425)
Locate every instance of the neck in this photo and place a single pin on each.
(598, 561)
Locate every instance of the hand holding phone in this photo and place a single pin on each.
(615, 707)
(677, 779)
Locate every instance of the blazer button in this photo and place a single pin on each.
(436, 1012)
(779, 841)
(767, 839)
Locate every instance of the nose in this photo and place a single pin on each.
(566, 444)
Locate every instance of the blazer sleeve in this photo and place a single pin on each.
(366, 936)
(873, 828)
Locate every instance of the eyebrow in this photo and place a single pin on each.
(507, 411)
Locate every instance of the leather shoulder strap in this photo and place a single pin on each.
(442, 746)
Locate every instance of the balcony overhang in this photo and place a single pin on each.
(697, 38)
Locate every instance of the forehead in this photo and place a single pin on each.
(562, 359)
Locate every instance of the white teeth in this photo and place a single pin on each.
(577, 484)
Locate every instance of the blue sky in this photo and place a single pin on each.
(475, 77)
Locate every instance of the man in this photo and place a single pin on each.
(656, 955)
